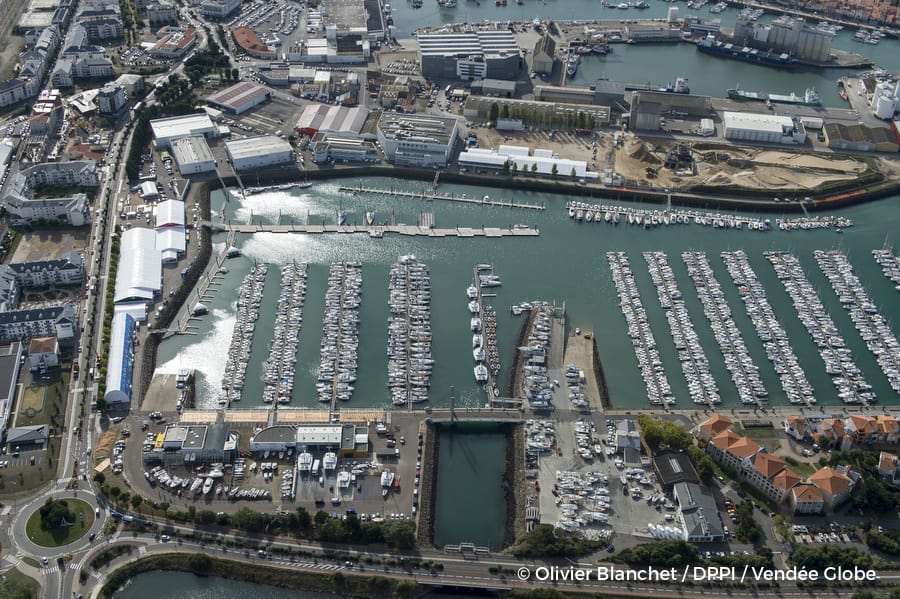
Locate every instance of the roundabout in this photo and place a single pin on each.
(59, 522)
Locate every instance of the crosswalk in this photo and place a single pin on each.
(310, 565)
(50, 569)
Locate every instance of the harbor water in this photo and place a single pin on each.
(566, 264)
(181, 585)
(657, 64)
(470, 506)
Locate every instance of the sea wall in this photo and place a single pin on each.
(428, 485)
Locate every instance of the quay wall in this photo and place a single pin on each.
(427, 494)
(601, 377)
(735, 199)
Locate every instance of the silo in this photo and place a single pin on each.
(887, 104)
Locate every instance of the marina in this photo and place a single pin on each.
(379, 231)
(810, 223)
(537, 388)
(249, 298)
(409, 332)
(649, 218)
(279, 367)
(340, 338)
(871, 325)
(846, 375)
(770, 331)
(744, 373)
(890, 265)
(694, 363)
(659, 392)
(485, 200)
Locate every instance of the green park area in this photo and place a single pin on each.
(59, 522)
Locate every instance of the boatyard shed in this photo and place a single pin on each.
(860, 138)
(258, 152)
(354, 441)
(167, 129)
(544, 55)
(121, 359)
(240, 97)
(140, 271)
(193, 156)
(673, 468)
(341, 121)
(520, 156)
(766, 128)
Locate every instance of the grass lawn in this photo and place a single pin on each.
(33, 399)
(62, 535)
(17, 585)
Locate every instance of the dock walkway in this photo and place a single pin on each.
(409, 230)
(414, 195)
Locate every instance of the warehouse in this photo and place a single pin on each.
(240, 97)
(417, 140)
(140, 271)
(347, 440)
(259, 152)
(170, 231)
(167, 129)
(765, 128)
(193, 156)
(121, 359)
(541, 161)
(338, 121)
(860, 138)
(470, 55)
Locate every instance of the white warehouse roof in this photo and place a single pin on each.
(149, 190)
(171, 243)
(249, 147)
(170, 213)
(491, 159)
(770, 123)
(165, 130)
(192, 150)
(140, 271)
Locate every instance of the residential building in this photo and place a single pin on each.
(730, 449)
(60, 272)
(43, 354)
(53, 321)
(714, 425)
(889, 467)
(9, 289)
(797, 427)
(160, 13)
(249, 42)
(73, 210)
(761, 471)
(784, 481)
(219, 9)
(111, 99)
(836, 486)
(807, 499)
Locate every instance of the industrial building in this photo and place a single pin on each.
(648, 107)
(698, 514)
(498, 88)
(541, 161)
(326, 147)
(167, 129)
(170, 230)
(765, 128)
(120, 363)
(885, 100)
(417, 140)
(192, 155)
(544, 55)
(539, 114)
(470, 55)
(240, 97)
(347, 440)
(194, 444)
(338, 121)
(139, 277)
(861, 138)
(785, 35)
(258, 152)
(648, 34)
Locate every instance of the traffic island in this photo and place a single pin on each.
(59, 522)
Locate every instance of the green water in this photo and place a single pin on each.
(470, 504)
(566, 264)
(180, 585)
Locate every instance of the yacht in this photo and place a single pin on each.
(304, 461)
(370, 217)
(376, 234)
(481, 373)
(329, 462)
(474, 307)
(475, 324)
(472, 292)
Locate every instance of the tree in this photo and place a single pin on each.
(400, 534)
(573, 173)
(554, 171)
(515, 167)
(136, 501)
(494, 112)
(505, 167)
(114, 492)
(504, 112)
(100, 478)
(55, 514)
(534, 167)
(235, 74)
(200, 562)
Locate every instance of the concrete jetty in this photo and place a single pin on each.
(423, 196)
(409, 230)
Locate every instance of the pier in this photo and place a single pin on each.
(424, 196)
(408, 230)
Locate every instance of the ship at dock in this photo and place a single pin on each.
(711, 45)
(809, 97)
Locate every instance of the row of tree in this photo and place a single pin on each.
(667, 434)
(543, 116)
